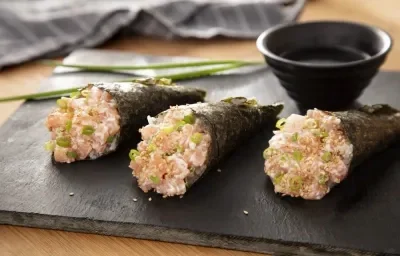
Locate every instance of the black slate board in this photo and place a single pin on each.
(359, 217)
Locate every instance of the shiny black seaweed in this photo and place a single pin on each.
(371, 129)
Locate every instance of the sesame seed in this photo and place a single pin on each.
(219, 170)
(149, 198)
(134, 199)
(246, 212)
(71, 194)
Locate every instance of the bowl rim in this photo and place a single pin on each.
(260, 43)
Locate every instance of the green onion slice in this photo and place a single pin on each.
(281, 122)
(297, 155)
(150, 81)
(72, 154)
(88, 130)
(133, 154)
(50, 145)
(75, 95)
(64, 142)
(327, 156)
(85, 93)
(295, 183)
(268, 152)
(251, 102)
(68, 125)
(168, 129)
(151, 147)
(196, 138)
(165, 81)
(62, 103)
(323, 178)
(284, 157)
(241, 101)
(179, 149)
(278, 178)
(319, 133)
(189, 119)
(179, 125)
(311, 123)
(155, 179)
(324, 134)
(228, 100)
(110, 139)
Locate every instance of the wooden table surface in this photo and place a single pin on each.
(27, 77)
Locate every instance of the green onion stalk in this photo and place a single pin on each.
(147, 67)
(173, 77)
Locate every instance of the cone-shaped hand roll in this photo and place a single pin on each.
(94, 121)
(311, 154)
(181, 144)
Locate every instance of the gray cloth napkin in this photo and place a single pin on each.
(31, 29)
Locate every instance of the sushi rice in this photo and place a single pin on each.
(85, 125)
(308, 155)
(172, 152)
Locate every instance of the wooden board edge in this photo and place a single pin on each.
(164, 234)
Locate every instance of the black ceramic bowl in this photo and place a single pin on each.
(324, 65)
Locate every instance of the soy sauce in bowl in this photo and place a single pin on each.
(325, 55)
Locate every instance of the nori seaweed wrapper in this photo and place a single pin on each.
(231, 122)
(146, 97)
(371, 129)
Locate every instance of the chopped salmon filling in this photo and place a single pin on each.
(83, 126)
(308, 155)
(172, 153)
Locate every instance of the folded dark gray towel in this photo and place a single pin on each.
(31, 29)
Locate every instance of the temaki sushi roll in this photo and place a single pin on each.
(180, 144)
(311, 154)
(95, 120)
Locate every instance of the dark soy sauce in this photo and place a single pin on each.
(325, 56)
